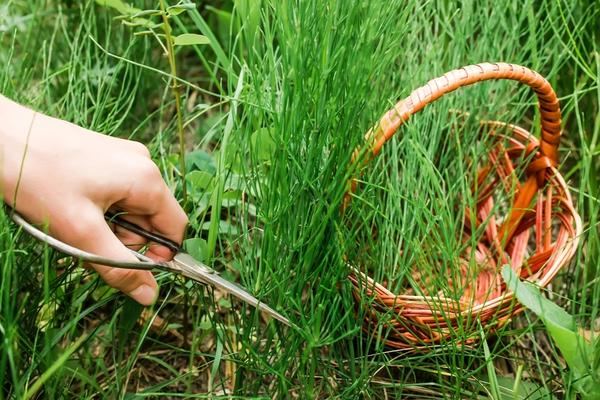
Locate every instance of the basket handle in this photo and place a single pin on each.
(434, 89)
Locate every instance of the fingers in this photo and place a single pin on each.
(139, 285)
(170, 221)
(129, 239)
(99, 239)
(134, 241)
(150, 197)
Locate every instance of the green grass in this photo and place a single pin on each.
(273, 108)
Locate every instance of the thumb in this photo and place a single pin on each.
(137, 284)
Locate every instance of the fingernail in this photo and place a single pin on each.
(144, 294)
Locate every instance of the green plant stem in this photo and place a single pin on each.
(37, 385)
(177, 95)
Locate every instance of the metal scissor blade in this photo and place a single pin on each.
(189, 267)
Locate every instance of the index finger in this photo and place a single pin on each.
(169, 221)
(151, 204)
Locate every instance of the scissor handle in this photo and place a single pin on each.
(144, 263)
(153, 237)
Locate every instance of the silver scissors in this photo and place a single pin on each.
(182, 263)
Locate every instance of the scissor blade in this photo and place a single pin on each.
(189, 267)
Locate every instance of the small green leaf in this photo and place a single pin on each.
(530, 296)
(46, 313)
(224, 302)
(188, 39)
(560, 325)
(231, 198)
(200, 180)
(179, 8)
(146, 23)
(225, 228)
(196, 247)
(205, 324)
(147, 13)
(200, 160)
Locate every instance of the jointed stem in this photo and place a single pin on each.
(177, 95)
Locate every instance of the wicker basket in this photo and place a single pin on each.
(537, 237)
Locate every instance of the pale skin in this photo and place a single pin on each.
(66, 177)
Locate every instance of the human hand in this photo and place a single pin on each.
(60, 174)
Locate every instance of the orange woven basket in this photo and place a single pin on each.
(537, 236)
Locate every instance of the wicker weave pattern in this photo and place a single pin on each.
(542, 207)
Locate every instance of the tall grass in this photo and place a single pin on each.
(288, 91)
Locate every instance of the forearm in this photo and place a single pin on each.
(15, 123)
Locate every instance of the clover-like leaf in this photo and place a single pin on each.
(190, 39)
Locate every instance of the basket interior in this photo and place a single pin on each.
(425, 220)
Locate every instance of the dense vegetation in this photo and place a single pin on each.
(272, 107)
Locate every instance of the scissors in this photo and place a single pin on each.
(182, 263)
